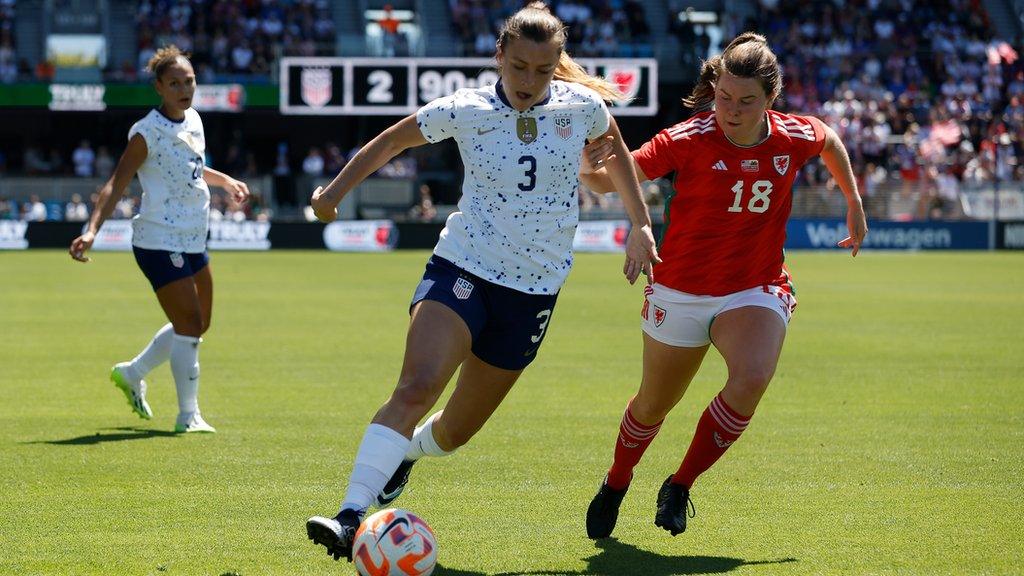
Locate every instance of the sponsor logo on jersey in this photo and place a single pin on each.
(177, 260)
(659, 315)
(316, 86)
(563, 126)
(722, 443)
(720, 165)
(526, 129)
(750, 166)
(481, 131)
(781, 164)
(462, 289)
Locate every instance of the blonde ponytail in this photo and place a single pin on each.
(536, 23)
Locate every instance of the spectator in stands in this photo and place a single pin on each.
(83, 158)
(335, 160)
(104, 161)
(76, 210)
(313, 164)
(424, 210)
(34, 210)
(8, 209)
(34, 163)
(389, 31)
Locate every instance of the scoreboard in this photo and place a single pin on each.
(400, 86)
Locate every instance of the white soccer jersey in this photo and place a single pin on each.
(175, 199)
(519, 208)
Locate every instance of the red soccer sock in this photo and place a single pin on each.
(634, 438)
(717, 429)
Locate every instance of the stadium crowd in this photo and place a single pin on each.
(928, 101)
(919, 88)
(597, 28)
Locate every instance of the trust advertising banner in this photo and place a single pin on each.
(115, 235)
(361, 236)
(601, 236)
(12, 235)
(825, 234)
(246, 235)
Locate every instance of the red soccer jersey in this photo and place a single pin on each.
(725, 223)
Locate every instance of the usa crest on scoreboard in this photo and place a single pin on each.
(316, 86)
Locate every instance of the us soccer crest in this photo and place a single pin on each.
(526, 129)
(462, 289)
(781, 164)
(317, 86)
(563, 126)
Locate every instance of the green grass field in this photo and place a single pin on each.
(890, 442)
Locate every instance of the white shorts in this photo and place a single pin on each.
(680, 319)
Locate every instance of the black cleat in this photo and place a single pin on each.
(604, 511)
(336, 534)
(672, 507)
(393, 489)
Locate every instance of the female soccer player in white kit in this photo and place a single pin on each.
(489, 289)
(166, 148)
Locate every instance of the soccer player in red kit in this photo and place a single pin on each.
(721, 280)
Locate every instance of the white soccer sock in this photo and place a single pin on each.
(379, 455)
(423, 442)
(156, 352)
(185, 367)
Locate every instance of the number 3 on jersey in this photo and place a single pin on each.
(531, 173)
(759, 201)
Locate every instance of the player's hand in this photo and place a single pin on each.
(238, 190)
(80, 245)
(325, 210)
(641, 254)
(596, 155)
(857, 225)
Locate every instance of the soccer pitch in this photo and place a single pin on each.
(891, 440)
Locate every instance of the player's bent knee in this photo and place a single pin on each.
(416, 392)
(751, 383)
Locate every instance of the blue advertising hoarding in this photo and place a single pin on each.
(826, 233)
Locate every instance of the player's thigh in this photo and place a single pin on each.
(479, 391)
(750, 340)
(180, 302)
(437, 342)
(667, 372)
(204, 287)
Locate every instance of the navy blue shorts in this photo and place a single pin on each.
(507, 325)
(162, 267)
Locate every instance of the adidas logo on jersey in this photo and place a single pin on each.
(720, 165)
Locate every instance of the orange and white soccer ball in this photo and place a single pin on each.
(394, 542)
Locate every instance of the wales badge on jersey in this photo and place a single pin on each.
(526, 129)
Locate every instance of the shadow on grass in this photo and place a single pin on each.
(119, 435)
(618, 559)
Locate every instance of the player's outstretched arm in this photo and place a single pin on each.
(133, 157)
(238, 189)
(641, 249)
(370, 158)
(837, 160)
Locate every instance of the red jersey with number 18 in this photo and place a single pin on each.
(725, 223)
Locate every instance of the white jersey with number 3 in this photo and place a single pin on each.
(175, 207)
(519, 208)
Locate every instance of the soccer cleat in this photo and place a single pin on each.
(393, 489)
(604, 511)
(134, 390)
(192, 422)
(672, 507)
(336, 534)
